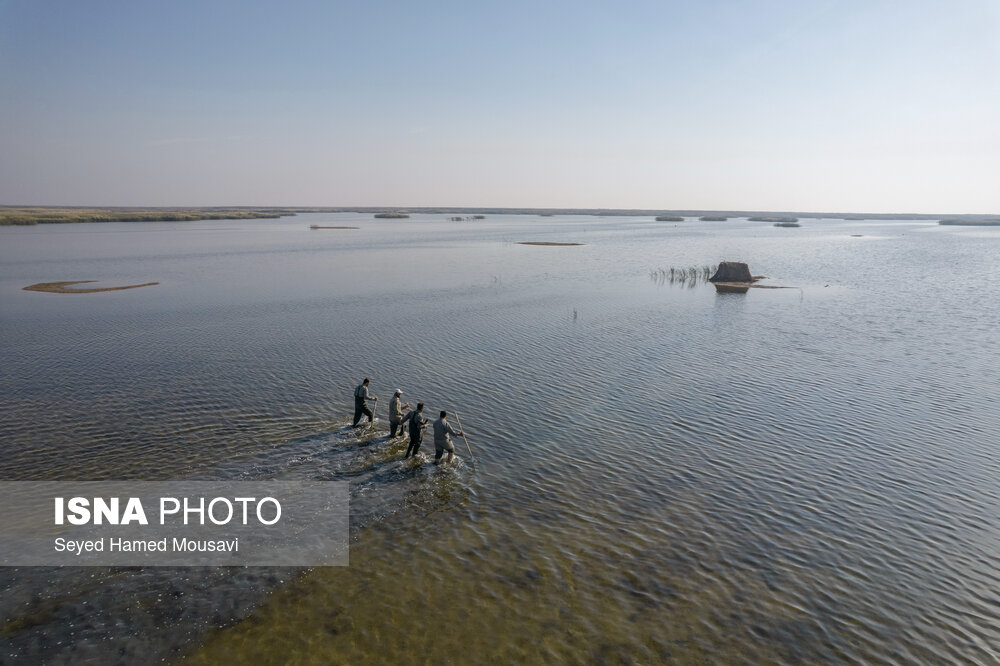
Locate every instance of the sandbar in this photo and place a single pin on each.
(547, 243)
(747, 285)
(61, 287)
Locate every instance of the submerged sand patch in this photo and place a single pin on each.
(743, 286)
(61, 287)
(547, 243)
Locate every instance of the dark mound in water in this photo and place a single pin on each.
(391, 216)
(669, 218)
(787, 224)
(713, 218)
(735, 277)
(61, 287)
(732, 271)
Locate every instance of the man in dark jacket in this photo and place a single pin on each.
(417, 425)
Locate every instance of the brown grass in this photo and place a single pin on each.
(547, 243)
(61, 287)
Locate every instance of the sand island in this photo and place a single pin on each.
(62, 287)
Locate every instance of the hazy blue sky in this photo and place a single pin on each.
(838, 105)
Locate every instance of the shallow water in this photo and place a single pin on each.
(661, 472)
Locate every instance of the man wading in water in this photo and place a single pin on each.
(417, 425)
(396, 414)
(442, 439)
(360, 403)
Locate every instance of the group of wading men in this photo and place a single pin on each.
(415, 418)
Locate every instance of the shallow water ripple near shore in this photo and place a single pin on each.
(662, 473)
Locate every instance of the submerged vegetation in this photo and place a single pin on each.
(467, 218)
(28, 216)
(669, 218)
(391, 216)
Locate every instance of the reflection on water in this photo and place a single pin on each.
(663, 472)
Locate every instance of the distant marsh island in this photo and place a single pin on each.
(971, 223)
(391, 216)
(547, 243)
(713, 218)
(28, 216)
(774, 219)
(669, 218)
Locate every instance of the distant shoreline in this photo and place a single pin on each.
(32, 215)
(964, 222)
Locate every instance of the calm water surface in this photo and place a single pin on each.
(662, 472)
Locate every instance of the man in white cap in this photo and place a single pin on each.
(396, 413)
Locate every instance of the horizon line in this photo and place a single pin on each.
(506, 210)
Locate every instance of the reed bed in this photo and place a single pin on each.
(689, 275)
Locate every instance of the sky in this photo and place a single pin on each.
(769, 105)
